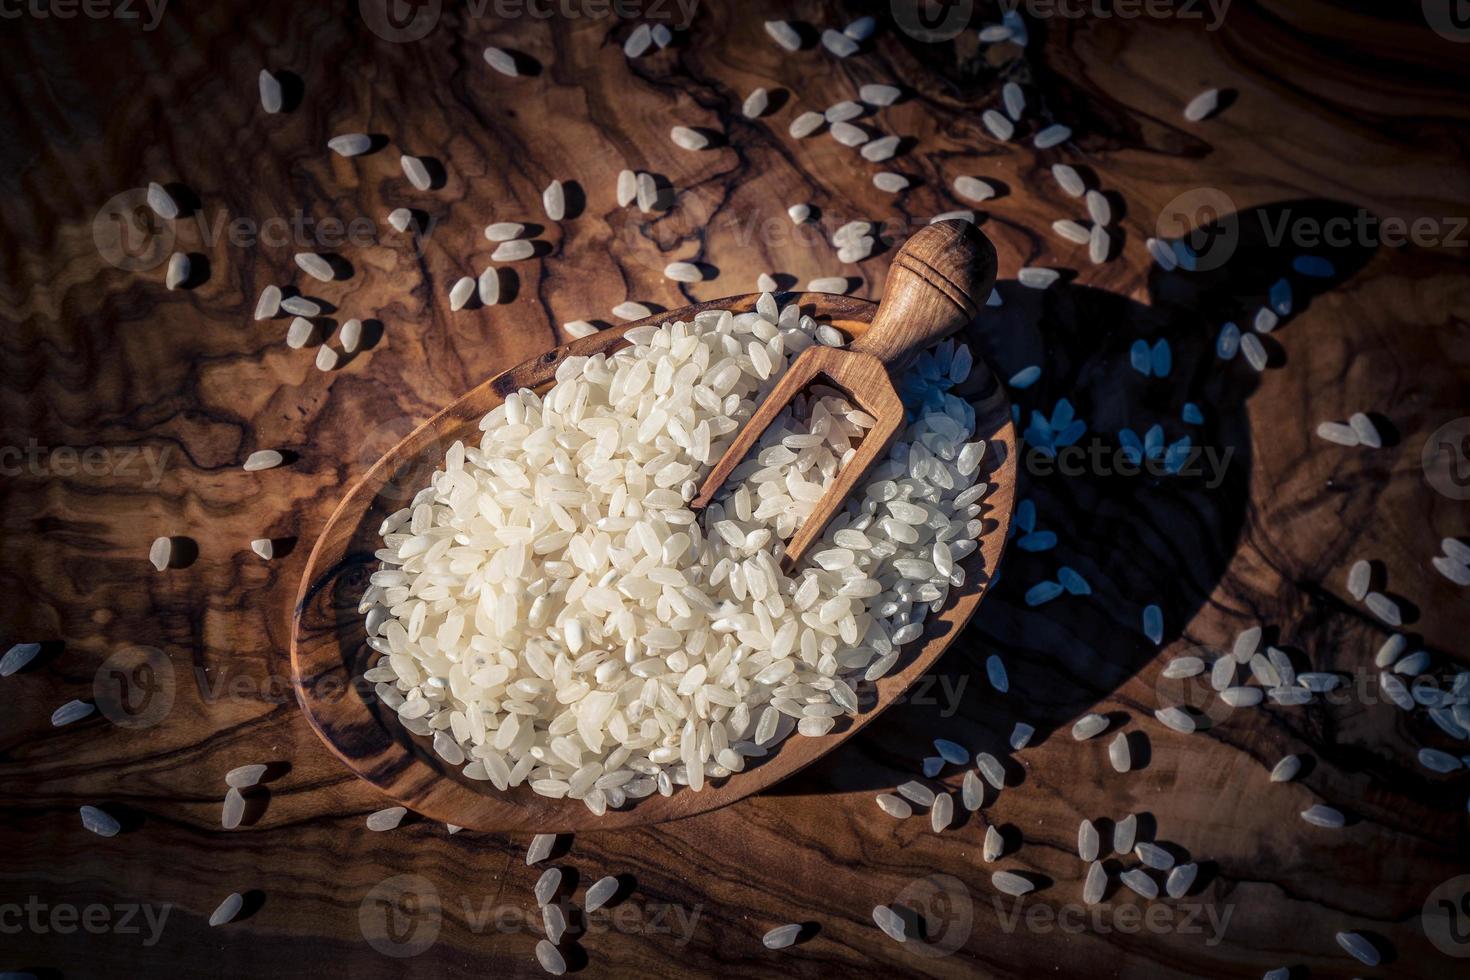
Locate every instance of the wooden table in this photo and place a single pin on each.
(161, 395)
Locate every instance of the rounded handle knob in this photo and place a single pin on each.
(938, 283)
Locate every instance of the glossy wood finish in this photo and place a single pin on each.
(937, 284)
(1338, 110)
(328, 653)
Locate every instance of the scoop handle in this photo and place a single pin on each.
(938, 282)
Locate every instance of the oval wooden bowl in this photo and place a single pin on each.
(328, 640)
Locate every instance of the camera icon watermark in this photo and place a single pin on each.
(134, 687)
(1205, 219)
(401, 916)
(932, 21)
(401, 21)
(1446, 917)
(129, 235)
(943, 911)
(1450, 19)
(1446, 459)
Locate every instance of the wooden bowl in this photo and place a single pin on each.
(328, 639)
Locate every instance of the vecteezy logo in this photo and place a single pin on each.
(134, 688)
(1206, 220)
(932, 21)
(1446, 917)
(1450, 19)
(942, 904)
(401, 916)
(400, 21)
(1446, 459)
(129, 235)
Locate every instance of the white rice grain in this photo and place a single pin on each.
(1202, 106)
(1089, 726)
(554, 201)
(272, 99)
(387, 818)
(784, 34)
(890, 182)
(17, 657)
(1359, 948)
(599, 893)
(269, 303)
(781, 936)
(179, 269)
(416, 172)
(70, 712)
(502, 61)
(1012, 884)
(99, 822)
(350, 144)
(688, 139)
(839, 44)
(550, 958)
(806, 124)
(227, 910)
(879, 95)
(1052, 135)
(973, 188)
(1319, 815)
(889, 921)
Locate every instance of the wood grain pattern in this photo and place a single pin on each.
(1338, 110)
(328, 652)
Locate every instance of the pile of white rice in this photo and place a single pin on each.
(552, 611)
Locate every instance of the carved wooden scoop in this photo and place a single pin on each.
(931, 292)
(937, 284)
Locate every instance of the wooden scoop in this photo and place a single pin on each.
(328, 648)
(937, 284)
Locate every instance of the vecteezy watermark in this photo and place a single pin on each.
(1212, 12)
(1450, 19)
(131, 237)
(1101, 459)
(676, 14)
(1446, 459)
(932, 21)
(1446, 917)
(927, 691)
(403, 21)
(943, 914)
(124, 462)
(1206, 220)
(91, 9)
(401, 917)
(1363, 229)
(134, 687)
(935, 21)
(400, 21)
(1155, 919)
(41, 918)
